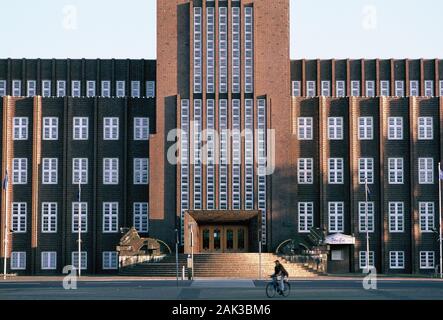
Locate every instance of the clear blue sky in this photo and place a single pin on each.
(127, 29)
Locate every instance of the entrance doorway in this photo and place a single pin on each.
(223, 239)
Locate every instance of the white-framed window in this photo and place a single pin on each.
(19, 217)
(335, 170)
(90, 89)
(355, 88)
(305, 216)
(110, 260)
(81, 128)
(399, 88)
(366, 212)
(427, 259)
(16, 88)
(141, 217)
(395, 128)
(61, 88)
(49, 217)
(425, 170)
(326, 88)
(83, 259)
(150, 89)
(31, 88)
(236, 49)
(110, 217)
(141, 129)
(415, 88)
(311, 90)
(110, 171)
(365, 128)
(396, 259)
(366, 170)
(223, 49)
(20, 128)
(396, 217)
(370, 88)
(427, 216)
(110, 128)
(3, 88)
(79, 208)
(363, 259)
(441, 88)
(395, 167)
(80, 170)
(429, 88)
(249, 49)
(141, 171)
(120, 89)
(135, 89)
(335, 128)
(49, 171)
(296, 88)
(385, 88)
(425, 128)
(340, 88)
(197, 47)
(50, 128)
(19, 171)
(106, 89)
(336, 217)
(76, 89)
(305, 171)
(18, 260)
(49, 260)
(305, 130)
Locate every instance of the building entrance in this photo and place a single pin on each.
(223, 239)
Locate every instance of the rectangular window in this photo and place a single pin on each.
(20, 128)
(365, 128)
(81, 128)
(415, 88)
(370, 88)
(355, 88)
(441, 88)
(80, 171)
(305, 171)
(396, 259)
(236, 47)
(364, 259)
(198, 50)
(296, 88)
(141, 171)
(18, 260)
(395, 128)
(305, 216)
(110, 171)
(425, 170)
(399, 88)
(223, 49)
(326, 88)
(396, 217)
(210, 49)
(223, 166)
(83, 259)
(150, 89)
(46, 88)
(76, 90)
(141, 129)
(49, 260)
(305, 131)
(49, 217)
(135, 89)
(110, 128)
(3, 88)
(236, 154)
(110, 260)
(49, 171)
(79, 216)
(425, 128)
(249, 50)
(340, 88)
(336, 217)
(50, 128)
(110, 217)
(19, 171)
(335, 128)
(427, 215)
(395, 170)
(385, 90)
(366, 170)
(311, 89)
(16, 88)
(106, 89)
(335, 166)
(61, 88)
(19, 217)
(90, 89)
(32, 88)
(366, 212)
(141, 217)
(427, 259)
(121, 90)
(429, 88)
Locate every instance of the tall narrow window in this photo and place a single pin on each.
(340, 89)
(249, 50)
(336, 173)
(90, 89)
(396, 217)
(429, 88)
(415, 88)
(106, 89)
(210, 49)
(121, 89)
(366, 217)
(370, 88)
(296, 88)
(16, 88)
(79, 217)
(399, 88)
(110, 128)
(223, 49)
(236, 155)
(20, 128)
(135, 89)
(395, 170)
(427, 216)
(311, 89)
(49, 217)
(249, 154)
(395, 128)
(427, 259)
(305, 216)
(262, 157)
(46, 88)
(141, 171)
(50, 128)
(335, 128)
(19, 171)
(80, 171)
(336, 217)
(305, 131)
(76, 88)
(223, 167)
(198, 50)
(236, 56)
(3, 88)
(49, 170)
(81, 128)
(355, 88)
(425, 128)
(366, 170)
(141, 217)
(305, 171)
(141, 129)
(365, 128)
(425, 170)
(385, 90)
(110, 217)
(184, 163)
(19, 217)
(32, 88)
(150, 89)
(326, 88)
(210, 166)
(110, 171)
(61, 88)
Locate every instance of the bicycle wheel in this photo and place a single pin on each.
(270, 290)
(287, 290)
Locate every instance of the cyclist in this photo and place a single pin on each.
(280, 271)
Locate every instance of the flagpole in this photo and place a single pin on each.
(440, 220)
(5, 242)
(367, 223)
(79, 228)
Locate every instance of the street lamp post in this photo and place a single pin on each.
(79, 228)
(440, 173)
(5, 242)
(367, 222)
(176, 253)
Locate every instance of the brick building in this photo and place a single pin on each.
(224, 78)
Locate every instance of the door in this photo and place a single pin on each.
(218, 239)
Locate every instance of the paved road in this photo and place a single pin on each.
(341, 289)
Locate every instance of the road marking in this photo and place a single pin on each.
(223, 284)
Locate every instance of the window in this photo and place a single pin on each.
(305, 216)
(395, 130)
(135, 89)
(249, 50)
(326, 88)
(425, 170)
(364, 259)
(305, 129)
(385, 88)
(355, 88)
(425, 128)
(32, 88)
(296, 88)
(121, 89)
(335, 166)
(110, 260)
(16, 88)
(236, 47)
(3, 88)
(18, 260)
(49, 260)
(19, 217)
(90, 89)
(80, 208)
(429, 88)
(370, 88)
(223, 49)
(61, 88)
(441, 88)
(305, 171)
(198, 49)
(336, 217)
(110, 128)
(399, 88)
(81, 128)
(20, 128)
(80, 171)
(141, 216)
(366, 170)
(110, 217)
(335, 128)
(141, 171)
(76, 88)
(396, 217)
(150, 89)
(395, 170)
(310, 89)
(106, 89)
(19, 171)
(340, 89)
(49, 171)
(141, 128)
(427, 259)
(110, 171)
(50, 128)
(426, 211)
(365, 128)
(49, 217)
(366, 212)
(83, 259)
(396, 259)
(415, 88)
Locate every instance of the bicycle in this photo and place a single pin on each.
(273, 287)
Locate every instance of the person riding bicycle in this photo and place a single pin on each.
(280, 271)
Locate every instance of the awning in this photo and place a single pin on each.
(339, 238)
(223, 216)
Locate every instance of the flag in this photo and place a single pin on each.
(5, 181)
(440, 174)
